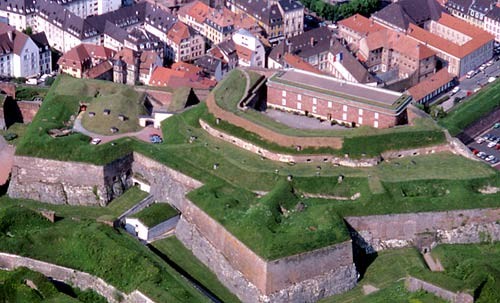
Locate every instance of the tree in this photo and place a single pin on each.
(28, 31)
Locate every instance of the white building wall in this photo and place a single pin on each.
(16, 19)
(136, 228)
(105, 6)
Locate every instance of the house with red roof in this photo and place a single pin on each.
(80, 59)
(184, 43)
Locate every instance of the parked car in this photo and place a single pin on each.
(492, 144)
(497, 146)
(480, 140)
(474, 151)
(480, 154)
(494, 161)
(455, 90)
(496, 125)
(491, 79)
(155, 139)
(470, 74)
(95, 141)
(489, 158)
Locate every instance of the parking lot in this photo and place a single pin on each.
(483, 146)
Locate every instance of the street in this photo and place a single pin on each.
(469, 85)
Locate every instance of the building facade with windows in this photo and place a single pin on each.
(332, 99)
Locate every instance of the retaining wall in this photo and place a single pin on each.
(166, 184)
(305, 277)
(73, 277)
(287, 157)
(375, 233)
(414, 284)
(269, 135)
(61, 182)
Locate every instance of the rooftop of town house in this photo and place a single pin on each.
(340, 88)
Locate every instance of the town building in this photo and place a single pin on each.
(460, 46)
(244, 49)
(184, 44)
(471, 11)
(435, 85)
(212, 67)
(78, 61)
(312, 46)
(388, 50)
(345, 66)
(132, 67)
(355, 28)
(181, 77)
(19, 54)
(279, 19)
(336, 100)
(44, 52)
(23, 13)
(216, 24)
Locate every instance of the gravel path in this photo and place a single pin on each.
(143, 134)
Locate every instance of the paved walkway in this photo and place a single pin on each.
(434, 265)
(6, 159)
(300, 121)
(143, 134)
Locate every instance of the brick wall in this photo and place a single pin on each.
(414, 284)
(28, 109)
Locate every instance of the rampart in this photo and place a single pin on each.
(73, 277)
(414, 284)
(72, 183)
(375, 233)
(269, 135)
(287, 157)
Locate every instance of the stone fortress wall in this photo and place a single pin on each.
(73, 277)
(73, 183)
(305, 277)
(376, 233)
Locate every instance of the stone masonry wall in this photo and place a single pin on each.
(72, 183)
(414, 284)
(79, 279)
(336, 280)
(375, 233)
(167, 185)
(286, 157)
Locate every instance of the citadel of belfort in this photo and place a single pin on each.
(305, 275)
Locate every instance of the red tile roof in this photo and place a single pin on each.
(399, 42)
(360, 24)
(84, 52)
(477, 35)
(163, 76)
(198, 10)
(298, 63)
(178, 32)
(430, 84)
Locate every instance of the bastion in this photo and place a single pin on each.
(74, 183)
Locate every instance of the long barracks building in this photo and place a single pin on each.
(329, 98)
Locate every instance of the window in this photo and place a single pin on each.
(299, 105)
(283, 93)
(299, 97)
(375, 124)
(376, 115)
(315, 101)
(360, 111)
(283, 101)
(329, 104)
(345, 108)
(344, 116)
(360, 120)
(314, 109)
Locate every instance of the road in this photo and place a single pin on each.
(469, 85)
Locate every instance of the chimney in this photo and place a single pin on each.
(312, 41)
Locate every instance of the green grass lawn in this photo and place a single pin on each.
(423, 183)
(181, 256)
(17, 128)
(230, 91)
(471, 110)
(30, 92)
(155, 214)
(94, 248)
(14, 289)
(130, 198)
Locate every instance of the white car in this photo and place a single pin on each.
(455, 90)
(480, 140)
(489, 158)
(95, 141)
(491, 79)
(490, 63)
(492, 144)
